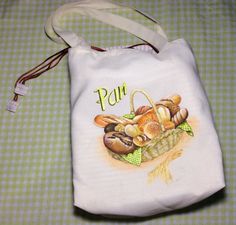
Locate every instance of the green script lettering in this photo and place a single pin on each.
(112, 97)
(122, 90)
(102, 94)
(110, 101)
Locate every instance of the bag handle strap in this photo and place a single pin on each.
(96, 9)
(20, 88)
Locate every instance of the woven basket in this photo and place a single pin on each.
(159, 145)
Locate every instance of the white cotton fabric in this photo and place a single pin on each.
(102, 187)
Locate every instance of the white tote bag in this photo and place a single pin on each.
(143, 138)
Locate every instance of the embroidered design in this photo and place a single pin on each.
(147, 133)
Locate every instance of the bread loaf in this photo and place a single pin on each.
(180, 117)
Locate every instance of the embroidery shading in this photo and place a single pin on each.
(146, 133)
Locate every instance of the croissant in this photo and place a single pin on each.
(180, 117)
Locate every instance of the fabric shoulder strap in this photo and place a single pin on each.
(97, 10)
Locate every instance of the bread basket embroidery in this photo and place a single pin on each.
(146, 133)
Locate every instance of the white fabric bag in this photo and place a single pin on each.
(143, 138)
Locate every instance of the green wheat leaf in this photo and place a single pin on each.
(134, 158)
(186, 127)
